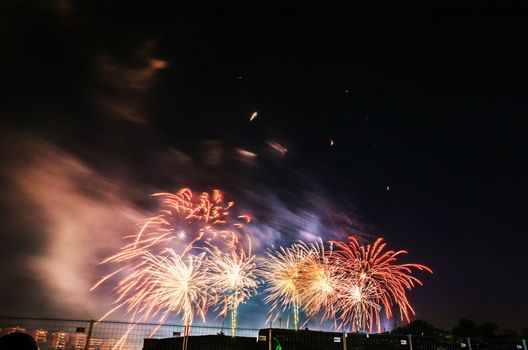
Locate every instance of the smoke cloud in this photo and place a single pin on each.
(66, 216)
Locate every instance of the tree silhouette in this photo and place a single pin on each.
(488, 330)
(417, 327)
(465, 328)
(524, 333)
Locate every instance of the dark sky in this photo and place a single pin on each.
(428, 101)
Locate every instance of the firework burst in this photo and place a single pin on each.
(160, 286)
(283, 270)
(183, 220)
(210, 211)
(233, 274)
(165, 284)
(317, 282)
(369, 280)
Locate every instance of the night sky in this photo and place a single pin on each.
(102, 105)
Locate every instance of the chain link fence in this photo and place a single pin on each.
(62, 334)
(284, 339)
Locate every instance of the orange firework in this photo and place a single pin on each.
(183, 219)
(209, 210)
(370, 279)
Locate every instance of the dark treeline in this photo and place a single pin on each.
(464, 328)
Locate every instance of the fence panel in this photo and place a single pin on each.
(59, 334)
(496, 344)
(62, 334)
(357, 341)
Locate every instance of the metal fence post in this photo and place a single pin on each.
(87, 345)
(469, 343)
(269, 338)
(410, 341)
(524, 344)
(186, 333)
